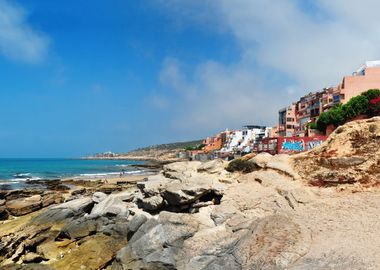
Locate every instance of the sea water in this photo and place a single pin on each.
(14, 172)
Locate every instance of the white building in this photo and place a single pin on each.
(244, 140)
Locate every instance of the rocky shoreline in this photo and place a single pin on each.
(317, 210)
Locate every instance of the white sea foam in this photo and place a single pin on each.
(111, 173)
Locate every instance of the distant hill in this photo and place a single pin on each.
(159, 152)
(169, 146)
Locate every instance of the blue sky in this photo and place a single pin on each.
(81, 77)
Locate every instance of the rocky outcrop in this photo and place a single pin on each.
(18, 202)
(196, 215)
(24, 206)
(65, 211)
(183, 186)
(350, 155)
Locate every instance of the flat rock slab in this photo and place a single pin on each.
(24, 206)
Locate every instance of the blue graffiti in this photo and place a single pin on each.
(313, 144)
(292, 146)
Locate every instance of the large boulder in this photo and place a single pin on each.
(150, 204)
(213, 166)
(349, 156)
(261, 160)
(97, 197)
(24, 206)
(3, 213)
(156, 243)
(114, 205)
(181, 170)
(82, 227)
(179, 194)
(51, 198)
(65, 211)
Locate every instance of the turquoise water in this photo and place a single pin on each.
(16, 171)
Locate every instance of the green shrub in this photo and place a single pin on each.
(323, 121)
(336, 115)
(340, 114)
(241, 165)
(201, 146)
(312, 125)
(371, 93)
(355, 106)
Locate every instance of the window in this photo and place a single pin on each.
(289, 126)
(289, 119)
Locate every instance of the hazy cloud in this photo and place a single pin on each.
(308, 48)
(158, 101)
(18, 40)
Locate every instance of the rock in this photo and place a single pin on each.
(32, 257)
(154, 185)
(18, 194)
(261, 160)
(97, 252)
(274, 242)
(97, 197)
(78, 191)
(118, 230)
(350, 155)
(209, 249)
(108, 189)
(181, 170)
(136, 222)
(157, 242)
(186, 193)
(24, 206)
(222, 212)
(251, 199)
(82, 227)
(213, 166)
(241, 165)
(344, 162)
(65, 211)
(3, 213)
(2, 202)
(151, 204)
(21, 241)
(113, 205)
(31, 266)
(283, 164)
(52, 198)
(176, 196)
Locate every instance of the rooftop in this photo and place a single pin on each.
(367, 64)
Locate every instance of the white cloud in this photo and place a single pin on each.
(275, 37)
(172, 76)
(158, 101)
(18, 40)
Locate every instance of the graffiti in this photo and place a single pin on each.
(293, 146)
(313, 144)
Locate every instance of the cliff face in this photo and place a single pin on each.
(350, 155)
(285, 212)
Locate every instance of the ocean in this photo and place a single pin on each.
(14, 172)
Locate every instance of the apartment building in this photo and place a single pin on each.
(287, 122)
(293, 120)
(366, 77)
(215, 143)
(243, 140)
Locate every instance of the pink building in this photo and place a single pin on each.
(294, 120)
(366, 77)
(287, 121)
